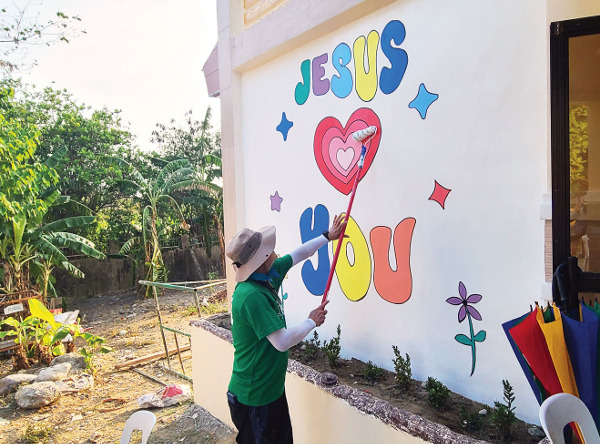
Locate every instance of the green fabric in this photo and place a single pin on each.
(258, 376)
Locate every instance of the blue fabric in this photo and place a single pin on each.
(261, 277)
(582, 343)
(537, 391)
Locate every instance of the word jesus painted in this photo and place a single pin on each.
(367, 78)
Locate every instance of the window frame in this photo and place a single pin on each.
(560, 33)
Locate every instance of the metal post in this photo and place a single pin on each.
(160, 324)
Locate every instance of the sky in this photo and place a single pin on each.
(144, 57)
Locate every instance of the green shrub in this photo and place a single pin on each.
(470, 421)
(503, 414)
(332, 348)
(403, 371)
(437, 393)
(372, 373)
(311, 347)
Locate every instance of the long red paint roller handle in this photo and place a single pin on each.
(341, 238)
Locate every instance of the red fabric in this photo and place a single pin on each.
(531, 342)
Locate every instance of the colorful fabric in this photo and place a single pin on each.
(555, 339)
(582, 341)
(530, 340)
(258, 376)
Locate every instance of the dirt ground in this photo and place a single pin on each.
(130, 326)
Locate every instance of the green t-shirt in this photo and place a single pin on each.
(259, 369)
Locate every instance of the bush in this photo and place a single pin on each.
(402, 368)
(470, 421)
(373, 373)
(503, 414)
(311, 347)
(437, 393)
(332, 348)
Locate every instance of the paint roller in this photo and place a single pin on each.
(363, 135)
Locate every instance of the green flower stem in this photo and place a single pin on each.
(472, 343)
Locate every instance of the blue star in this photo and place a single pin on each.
(276, 202)
(423, 100)
(284, 126)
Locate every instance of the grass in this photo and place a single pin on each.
(33, 435)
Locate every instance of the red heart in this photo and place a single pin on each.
(337, 153)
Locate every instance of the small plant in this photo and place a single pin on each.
(372, 373)
(311, 347)
(33, 435)
(503, 414)
(95, 346)
(470, 421)
(332, 348)
(437, 393)
(402, 368)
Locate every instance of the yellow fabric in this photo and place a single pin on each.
(553, 332)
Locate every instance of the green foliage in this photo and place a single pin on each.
(470, 421)
(402, 368)
(437, 393)
(34, 435)
(312, 347)
(332, 348)
(578, 143)
(95, 346)
(503, 414)
(372, 373)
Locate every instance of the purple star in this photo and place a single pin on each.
(276, 202)
(465, 301)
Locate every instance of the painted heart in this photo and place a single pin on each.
(337, 153)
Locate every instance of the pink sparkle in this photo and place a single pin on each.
(440, 194)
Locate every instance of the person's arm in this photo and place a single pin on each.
(285, 338)
(307, 249)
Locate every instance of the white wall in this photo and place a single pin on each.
(485, 138)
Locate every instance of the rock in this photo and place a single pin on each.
(536, 432)
(482, 412)
(76, 383)
(75, 359)
(4, 422)
(329, 379)
(54, 373)
(122, 333)
(12, 382)
(36, 395)
(77, 417)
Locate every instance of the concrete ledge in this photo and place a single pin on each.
(319, 413)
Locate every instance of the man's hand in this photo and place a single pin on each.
(318, 314)
(339, 223)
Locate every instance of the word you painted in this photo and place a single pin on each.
(355, 266)
(367, 78)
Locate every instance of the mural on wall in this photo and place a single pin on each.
(440, 194)
(276, 202)
(337, 153)
(467, 311)
(423, 101)
(284, 126)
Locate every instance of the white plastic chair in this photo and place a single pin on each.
(559, 410)
(141, 420)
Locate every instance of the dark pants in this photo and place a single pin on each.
(265, 424)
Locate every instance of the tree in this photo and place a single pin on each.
(20, 27)
(200, 144)
(88, 135)
(27, 192)
(153, 192)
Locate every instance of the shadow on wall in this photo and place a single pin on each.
(111, 275)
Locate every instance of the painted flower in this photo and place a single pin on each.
(465, 302)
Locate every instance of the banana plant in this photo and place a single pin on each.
(152, 193)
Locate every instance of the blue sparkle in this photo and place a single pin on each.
(423, 101)
(284, 126)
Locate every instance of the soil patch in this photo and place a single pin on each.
(130, 326)
(414, 399)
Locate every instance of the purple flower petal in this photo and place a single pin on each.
(474, 298)
(473, 311)
(462, 313)
(454, 300)
(462, 290)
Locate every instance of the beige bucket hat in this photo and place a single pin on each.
(249, 249)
